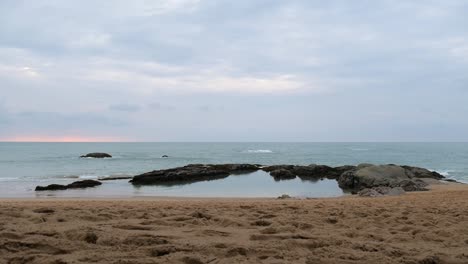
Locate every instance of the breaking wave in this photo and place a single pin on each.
(259, 151)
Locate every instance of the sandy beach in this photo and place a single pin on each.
(424, 227)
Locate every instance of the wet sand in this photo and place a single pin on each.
(425, 227)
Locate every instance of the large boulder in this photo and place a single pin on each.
(74, 185)
(369, 176)
(192, 173)
(97, 155)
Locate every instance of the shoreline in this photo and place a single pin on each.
(434, 186)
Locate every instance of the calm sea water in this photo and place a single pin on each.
(25, 165)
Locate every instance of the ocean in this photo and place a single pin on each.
(26, 165)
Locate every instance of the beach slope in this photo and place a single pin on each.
(424, 227)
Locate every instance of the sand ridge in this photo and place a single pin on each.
(427, 227)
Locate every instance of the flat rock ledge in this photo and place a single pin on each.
(96, 155)
(75, 185)
(192, 173)
(389, 179)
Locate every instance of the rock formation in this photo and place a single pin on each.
(192, 173)
(74, 185)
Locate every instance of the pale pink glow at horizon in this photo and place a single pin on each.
(61, 139)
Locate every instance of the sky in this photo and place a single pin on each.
(219, 70)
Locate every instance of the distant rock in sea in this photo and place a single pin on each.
(74, 185)
(97, 155)
(164, 156)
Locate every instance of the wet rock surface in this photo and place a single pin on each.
(74, 185)
(192, 173)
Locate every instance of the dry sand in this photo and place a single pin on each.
(428, 227)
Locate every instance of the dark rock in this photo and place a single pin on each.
(74, 185)
(422, 173)
(342, 169)
(282, 174)
(164, 156)
(311, 172)
(314, 171)
(83, 184)
(51, 187)
(191, 173)
(450, 180)
(97, 155)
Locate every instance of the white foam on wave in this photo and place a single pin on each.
(445, 173)
(87, 177)
(449, 174)
(6, 179)
(359, 149)
(259, 151)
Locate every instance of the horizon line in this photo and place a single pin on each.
(371, 141)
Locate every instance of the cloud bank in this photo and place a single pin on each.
(203, 70)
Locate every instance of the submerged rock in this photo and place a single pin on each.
(74, 185)
(192, 173)
(97, 155)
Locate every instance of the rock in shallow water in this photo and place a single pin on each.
(97, 155)
(192, 173)
(74, 185)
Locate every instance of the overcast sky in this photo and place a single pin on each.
(216, 70)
